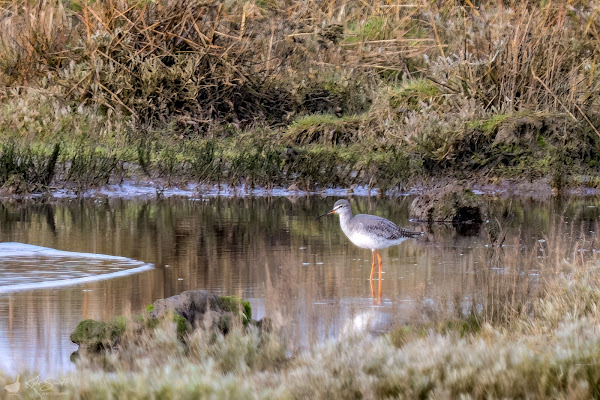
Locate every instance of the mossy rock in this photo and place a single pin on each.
(191, 305)
(452, 203)
(95, 335)
(183, 326)
(186, 310)
(237, 306)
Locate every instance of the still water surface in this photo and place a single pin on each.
(271, 251)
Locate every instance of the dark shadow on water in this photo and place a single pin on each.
(468, 228)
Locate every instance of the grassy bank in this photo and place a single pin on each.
(297, 92)
(529, 331)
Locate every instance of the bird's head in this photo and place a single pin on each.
(339, 207)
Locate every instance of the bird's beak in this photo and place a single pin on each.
(327, 213)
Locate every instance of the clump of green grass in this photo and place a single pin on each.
(412, 94)
(372, 29)
(27, 169)
(324, 129)
(589, 182)
(490, 125)
(91, 167)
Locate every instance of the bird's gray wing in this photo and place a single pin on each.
(384, 228)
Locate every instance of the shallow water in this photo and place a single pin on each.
(297, 270)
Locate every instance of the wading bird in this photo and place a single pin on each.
(369, 231)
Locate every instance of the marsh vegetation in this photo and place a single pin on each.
(284, 92)
(312, 94)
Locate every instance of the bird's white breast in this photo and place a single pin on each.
(362, 240)
(358, 237)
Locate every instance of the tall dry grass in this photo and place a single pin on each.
(192, 63)
(497, 87)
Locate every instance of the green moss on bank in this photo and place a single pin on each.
(489, 125)
(413, 94)
(499, 147)
(324, 129)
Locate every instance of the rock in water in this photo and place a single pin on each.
(191, 305)
(451, 203)
(189, 310)
(201, 307)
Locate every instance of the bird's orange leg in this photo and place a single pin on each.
(380, 265)
(379, 283)
(372, 266)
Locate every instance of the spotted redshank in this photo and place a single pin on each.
(369, 231)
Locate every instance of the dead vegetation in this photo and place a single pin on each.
(487, 88)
